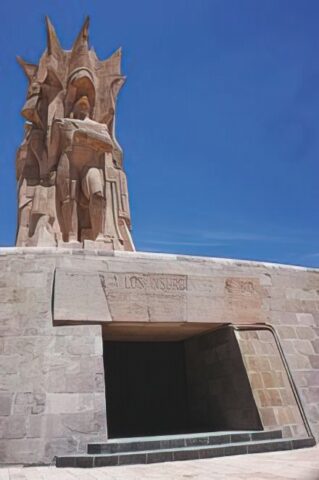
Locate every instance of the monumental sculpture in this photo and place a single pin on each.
(71, 184)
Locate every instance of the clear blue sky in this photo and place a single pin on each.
(219, 118)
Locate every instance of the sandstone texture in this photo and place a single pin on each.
(58, 305)
(72, 187)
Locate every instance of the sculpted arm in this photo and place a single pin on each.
(124, 202)
(54, 148)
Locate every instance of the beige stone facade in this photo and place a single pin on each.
(58, 306)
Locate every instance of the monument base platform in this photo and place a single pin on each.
(98, 345)
(176, 448)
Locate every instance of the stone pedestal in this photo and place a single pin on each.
(57, 306)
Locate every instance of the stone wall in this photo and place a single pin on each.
(52, 398)
(219, 392)
(51, 377)
(269, 381)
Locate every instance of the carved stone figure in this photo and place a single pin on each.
(71, 184)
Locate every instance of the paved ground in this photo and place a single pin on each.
(298, 464)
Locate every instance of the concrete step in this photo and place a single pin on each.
(137, 444)
(185, 453)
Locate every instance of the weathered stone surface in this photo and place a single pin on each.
(71, 184)
(51, 375)
(79, 296)
(270, 383)
(218, 387)
(38, 360)
(5, 403)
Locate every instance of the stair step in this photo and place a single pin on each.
(137, 444)
(186, 453)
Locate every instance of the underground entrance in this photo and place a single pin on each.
(169, 383)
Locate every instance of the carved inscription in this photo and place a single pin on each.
(237, 286)
(243, 293)
(146, 297)
(148, 283)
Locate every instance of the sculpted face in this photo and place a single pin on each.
(80, 93)
(82, 108)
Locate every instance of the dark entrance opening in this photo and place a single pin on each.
(146, 388)
(169, 387)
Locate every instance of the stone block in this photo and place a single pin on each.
(81, 346)
(305, 347)
(105, 461)
(235, 449)
(287, 396)
(98, 345)
(287, 431)
(99, 382)
(60, 446)
(78, 383)
(285, 415)
(313, 413)
(262, 398)
(287, 332)
(6, 400)
(299, 430)
(58, 403)
(179, 455)
(79, 296)
(269, 447)
(83, 423)
(311, 394)
(39, 400)
(275, 398)
(305, 332)
(256, 381)
(312, 378)
(24, 449)
(315, 345)
(288, 346)
(155, 457)
(266, 434)
(15, 427)
(35, 426)
(240, 437)
(78, 331)
(306, 319)
(130, 459)
(66, 462)
(273, 379)
(314, 361)
(275, 362)
(9, 364)
(298, 361)
(23, 403)
(54, 381)
(258, 364)
(212, 452)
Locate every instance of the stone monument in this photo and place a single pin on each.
(71, 184)
(110, 356)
